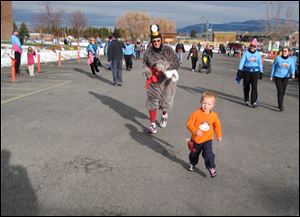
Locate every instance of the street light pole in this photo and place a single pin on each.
(206, 30)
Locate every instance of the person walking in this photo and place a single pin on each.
(179, 51)
(17, 48)
(252, 68)
(282, 68)
(100, 45)
(193, 53)
(92, 56)
(106, 46)
(138, 49)
(160, 69)
(203, 124)
(128, 51)
(115, 56)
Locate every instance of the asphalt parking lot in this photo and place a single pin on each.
(72, 144)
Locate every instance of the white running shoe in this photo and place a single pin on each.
(152, 128)
(191, 167)
(164, 120)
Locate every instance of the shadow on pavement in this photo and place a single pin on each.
(143, 138)
(91, 76)
(17, 195)
(154, 143)
(228, 97)
(122, 109)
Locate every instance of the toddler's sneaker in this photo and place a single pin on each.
(213, 172)
(164, 120)
(191, 167)
(152, 128)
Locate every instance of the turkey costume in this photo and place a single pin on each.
(160, 69)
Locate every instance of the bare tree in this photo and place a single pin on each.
(134, 24)
(79, 23)
(289, 27)
(50, 18)
(166, 25)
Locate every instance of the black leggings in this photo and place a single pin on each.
(18, 62)
(250, 79)
(281, 84)
(194, 62)
(128, 60)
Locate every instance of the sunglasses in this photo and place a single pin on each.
(156, 41)
(285, 51)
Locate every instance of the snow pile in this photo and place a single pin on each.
(46, 55)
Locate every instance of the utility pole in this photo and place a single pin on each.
(206, 30)
(202, 28)
(267, 20)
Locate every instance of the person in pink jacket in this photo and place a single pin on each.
(30, 57)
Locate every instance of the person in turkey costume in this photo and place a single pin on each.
(160, 65)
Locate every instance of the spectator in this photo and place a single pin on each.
(17, 48)
(30, 58)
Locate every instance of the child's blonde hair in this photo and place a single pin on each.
(208, 94)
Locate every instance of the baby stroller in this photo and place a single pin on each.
(205, 63)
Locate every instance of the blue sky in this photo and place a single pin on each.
(104, 13)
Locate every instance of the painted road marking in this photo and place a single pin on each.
(34, 92)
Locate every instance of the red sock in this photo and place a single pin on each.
(152, 115)
(164, 113)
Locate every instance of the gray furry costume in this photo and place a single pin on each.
(160, 94)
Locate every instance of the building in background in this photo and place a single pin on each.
(294, 40)
(6, 20)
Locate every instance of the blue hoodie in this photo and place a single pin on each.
(251, 62)
(128, 50)
(15, 40)
(282, 68)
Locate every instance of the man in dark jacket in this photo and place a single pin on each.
(115, 56)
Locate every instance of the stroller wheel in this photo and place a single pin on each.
(199, 68)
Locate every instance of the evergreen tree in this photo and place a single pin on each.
(193, 33)
(15, 27)
(23, 31)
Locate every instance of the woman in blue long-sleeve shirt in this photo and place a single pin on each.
(251, 65)
(282, 68)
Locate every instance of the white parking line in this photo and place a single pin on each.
(33, 92)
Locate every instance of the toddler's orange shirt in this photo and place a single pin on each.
(197, 118)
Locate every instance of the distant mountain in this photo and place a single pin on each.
(249, 25)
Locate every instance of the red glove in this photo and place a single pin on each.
(154, 76)
(191, 145)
